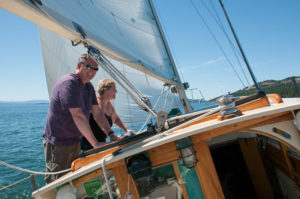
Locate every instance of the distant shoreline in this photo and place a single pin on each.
(27, 102)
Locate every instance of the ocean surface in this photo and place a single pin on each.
(21, 126)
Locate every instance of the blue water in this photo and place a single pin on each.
(21, 126)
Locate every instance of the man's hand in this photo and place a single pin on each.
(100, 144)
(113, 137)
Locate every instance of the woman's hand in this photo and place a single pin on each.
(130, 132)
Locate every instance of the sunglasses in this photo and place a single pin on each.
(91, 67)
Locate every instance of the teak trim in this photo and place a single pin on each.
(241, 126)
(207, 173)
(256, 168)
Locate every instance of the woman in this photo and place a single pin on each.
(106, 92)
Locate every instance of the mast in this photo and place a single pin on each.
(179, 86)
(240, 48)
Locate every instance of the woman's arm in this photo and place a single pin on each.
(116, 119)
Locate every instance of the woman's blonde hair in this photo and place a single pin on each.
(104, 85)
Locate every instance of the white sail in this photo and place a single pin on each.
(60, 57)
(124, 30)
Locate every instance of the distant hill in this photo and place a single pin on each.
(285, 88)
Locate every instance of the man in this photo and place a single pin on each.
(72, 99)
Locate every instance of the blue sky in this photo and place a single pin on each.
(268, 31)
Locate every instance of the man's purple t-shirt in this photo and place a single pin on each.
(68, 92)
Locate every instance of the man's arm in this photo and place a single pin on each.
(102, 122)
(83, 125)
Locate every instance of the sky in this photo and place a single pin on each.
(268, 31)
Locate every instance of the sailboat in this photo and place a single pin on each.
(246, 148)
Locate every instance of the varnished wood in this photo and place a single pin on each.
(163, 154)
(242, 125)
(180, 180)
(284, 151)
(273, 137)
(275, 98)
(258, 103)
(280, 117)
(256, 168)
(275, 155)
(207, 173)
(159, 156)
(80, 162)
(122, 179)
(121, 176)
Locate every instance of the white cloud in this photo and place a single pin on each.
(197, 66)
(219, 59)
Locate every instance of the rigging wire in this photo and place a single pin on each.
(214, 37)
(148, 84)
(240, 49)
(149, 116)
(221, 26)
(127, 97)
(174, 101)
(166, 98)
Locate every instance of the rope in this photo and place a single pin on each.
(166, 99)
(33, 172)
(234, 49)
(14, 183)
(218, 44)
(158, 99)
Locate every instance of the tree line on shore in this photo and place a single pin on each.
(288, 87)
